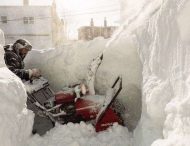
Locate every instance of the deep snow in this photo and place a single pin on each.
(164, 50)
(83, 135)
(15, 120)
(160, 29)
(69, 64)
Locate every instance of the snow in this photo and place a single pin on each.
(163, 48)
(70, 134)
(83, 135)
(15, 120)
(160, 30)
(91, 75)
(69, 64)
(35, 85)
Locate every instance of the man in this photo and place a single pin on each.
(14, 56)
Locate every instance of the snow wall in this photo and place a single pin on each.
(15, 120)
(161, 30)
(68, 64)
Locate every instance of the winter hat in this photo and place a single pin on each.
(22, 43)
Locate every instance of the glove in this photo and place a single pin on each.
(34, 73)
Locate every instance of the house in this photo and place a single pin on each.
(38, 24)
(91, 32)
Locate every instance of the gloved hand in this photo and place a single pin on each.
(34, 73)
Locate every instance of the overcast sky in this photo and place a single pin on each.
(78, 13)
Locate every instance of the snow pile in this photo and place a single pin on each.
(83, 135)
(164, 50)
(15, 120)
(68, 64)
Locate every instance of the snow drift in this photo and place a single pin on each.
(15, 120)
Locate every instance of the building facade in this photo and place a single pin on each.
(38, 24)
(91, 32)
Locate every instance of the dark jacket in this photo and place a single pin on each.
(15, 62)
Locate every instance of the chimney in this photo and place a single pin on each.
(25, 2)
(105, 22)
(91, 22)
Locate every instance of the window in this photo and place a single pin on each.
(25, 20)
(31, 20)
(4, 19)
(28, 20)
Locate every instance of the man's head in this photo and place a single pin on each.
(22, 47)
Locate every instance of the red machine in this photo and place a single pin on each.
(65, 106)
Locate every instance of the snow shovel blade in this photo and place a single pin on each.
(110, 98)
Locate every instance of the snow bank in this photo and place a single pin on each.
(15, 120)
(164, 50)
(83, 135)
(68, 64)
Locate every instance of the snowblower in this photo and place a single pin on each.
(76, 103)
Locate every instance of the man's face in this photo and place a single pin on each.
(23, 52)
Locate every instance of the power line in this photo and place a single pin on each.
(19, 19)
(41, 18)
(103, 6)
(97, 12)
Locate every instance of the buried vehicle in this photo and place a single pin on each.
(76, 103)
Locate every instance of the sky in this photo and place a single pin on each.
(77, 13)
